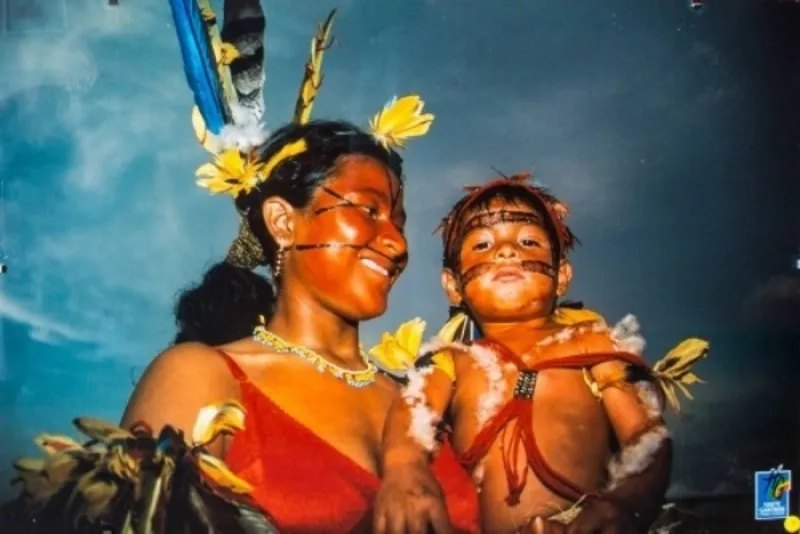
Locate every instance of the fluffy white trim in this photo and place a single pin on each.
(422, 427)
(635, 458)
(626, 336)
(649, 396)
(491, 400)
(246, 132)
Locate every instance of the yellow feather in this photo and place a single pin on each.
(448, 332)
(680, 360)
(312, 78)
(569, 316)
(29, 465)
(292, 149)
(444, 362)
(219, 473)
(669, 392)
(101, 431)
(52, 444)
(217, 419)
(204, 136)
(98, 495)
(399, 120)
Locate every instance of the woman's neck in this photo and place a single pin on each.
(302, 320)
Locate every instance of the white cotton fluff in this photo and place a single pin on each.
(635, 458)
(489, 402)
(626, 336)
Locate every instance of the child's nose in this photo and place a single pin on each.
(507, 250)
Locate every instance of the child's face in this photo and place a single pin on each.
(506, 270)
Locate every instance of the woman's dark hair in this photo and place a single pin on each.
(226, 305)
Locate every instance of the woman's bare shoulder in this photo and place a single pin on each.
(177, 384)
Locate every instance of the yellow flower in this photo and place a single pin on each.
(400, 120)
(399, 351)
(230, 172)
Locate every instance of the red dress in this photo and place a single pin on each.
(307, 486)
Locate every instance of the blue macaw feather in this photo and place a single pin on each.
(198, 63)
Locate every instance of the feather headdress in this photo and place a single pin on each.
(225, 71)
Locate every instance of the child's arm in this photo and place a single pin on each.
(640, 474)
(410, 499)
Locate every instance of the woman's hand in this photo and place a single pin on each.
(410, 501)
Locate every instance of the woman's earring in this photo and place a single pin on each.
(276, 270)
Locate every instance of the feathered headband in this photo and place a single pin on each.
(225, 71)
(557, 211)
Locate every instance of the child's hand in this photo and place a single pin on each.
(411, 501)
(597, 517)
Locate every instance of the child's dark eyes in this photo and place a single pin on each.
(480, 245)
(530, 243)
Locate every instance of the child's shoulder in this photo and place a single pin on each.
(593, 336)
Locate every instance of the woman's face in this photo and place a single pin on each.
(349, 243)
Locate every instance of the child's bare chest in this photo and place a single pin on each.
(564, 410)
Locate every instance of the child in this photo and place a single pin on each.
(560, 425)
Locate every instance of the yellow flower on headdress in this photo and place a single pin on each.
(399, 120)
(230, 172)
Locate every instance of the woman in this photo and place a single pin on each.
(322, 209)
(330, 223)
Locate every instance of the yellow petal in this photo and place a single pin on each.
(219, 473)
(409, 335)
(391, 355)
(207, 169)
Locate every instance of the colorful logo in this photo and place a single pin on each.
(772, 490)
